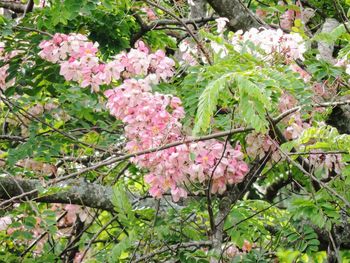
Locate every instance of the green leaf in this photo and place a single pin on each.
(122, 247)
(208, 101)
(253, 103)
(122, 205)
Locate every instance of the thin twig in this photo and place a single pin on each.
(41, 236)
(200, 45)
(30, 29)
(174, 247)
(96, 236)
(31, 117)
(321, 105)
(12, 138)
(127, 156)
(255, 214)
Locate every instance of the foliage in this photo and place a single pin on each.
(126, 136)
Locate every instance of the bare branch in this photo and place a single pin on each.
(76, 192)
(174, 248)
(12, 138)
(198, 42)
(14, 6)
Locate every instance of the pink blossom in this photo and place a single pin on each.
(5, 221)
(303, 74)
(231, 251)
(150, 13)
(3, 75)
(149, 124)
(259, 144)
(151, 119)
(328, 162)
(287, 19)
(177, 193)
(261, 13)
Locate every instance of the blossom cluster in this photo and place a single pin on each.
(188, 52)
(295, 124)
(259, 144)
(328, 162)
(145, 114)
(272, 42)
(231, 250)
(151, 119)
(79, 61)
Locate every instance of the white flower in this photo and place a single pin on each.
(219, 49)
(347, 69)
(221, 24)
(190, 2)
(4, 222)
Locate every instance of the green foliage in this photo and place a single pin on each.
(242, 82)
(324, 137)
(73, 131)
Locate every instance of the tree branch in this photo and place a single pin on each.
(76, 192)
(240, 17)
(16, 7)
(12, 138)
(174, 247)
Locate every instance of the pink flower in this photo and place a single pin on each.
(151, 119)
(303, 74)
(287, 19)
(177, 193)
(3, 75)
(247, 246)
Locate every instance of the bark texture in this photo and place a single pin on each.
(326, 50)
(73, 191)
(239, 15)
(17, 7)
(76, 192)
(199, 9)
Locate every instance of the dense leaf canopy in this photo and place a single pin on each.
(174, 131)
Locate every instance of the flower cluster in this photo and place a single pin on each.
(206, 166)
(188, 52)
(148, 121)
(259, 144)
(151, 15)
(231, 250)
(294, 121)
(152, 120)
(272, 42)
(328, 162)
(79, 61)
(221, 23)
(198, 163)
(287, 19)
